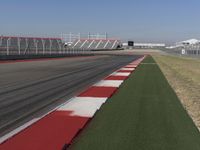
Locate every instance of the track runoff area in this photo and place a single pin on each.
(145, 114)
(141, 113)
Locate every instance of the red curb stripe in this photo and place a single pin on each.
(130, 71)
(58, 129)
(116, 78)
(98, 92)
(129, 67)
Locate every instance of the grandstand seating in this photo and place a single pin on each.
(95, 44)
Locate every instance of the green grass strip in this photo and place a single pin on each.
(145, 114)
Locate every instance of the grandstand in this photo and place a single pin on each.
(92, 42)
(13, 45)
(95, 44)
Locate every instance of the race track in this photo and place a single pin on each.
(30, 89)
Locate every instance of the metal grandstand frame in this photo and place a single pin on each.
(47, 45)
(98, 36)
(89, 42)
(70, 37)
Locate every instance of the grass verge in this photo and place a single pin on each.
(145, 114)
(183, 75)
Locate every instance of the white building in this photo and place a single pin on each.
(146, 45)
(188, 42)
(149, 45)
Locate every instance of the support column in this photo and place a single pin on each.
(26, 46)
(114, 44)
(43, 46)
(76, 44)
(89, 36)
(36, 46)
(59, 45)
(106, 44)
(106, 35)
(79, 36)
(8, 46)
(98, 44)
(50, 47)
(19, 45)
(91, 44)
(84, 43)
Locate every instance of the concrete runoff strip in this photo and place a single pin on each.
(58, 128)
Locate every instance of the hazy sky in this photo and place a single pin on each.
(140, 20)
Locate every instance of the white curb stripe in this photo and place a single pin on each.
(134, 66)
(128, 69)
(83, 106)
(134, 63)
(109, 83)
(121, 74)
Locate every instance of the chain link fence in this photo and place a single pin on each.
(188, 51)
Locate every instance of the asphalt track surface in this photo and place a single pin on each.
(30, 89)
